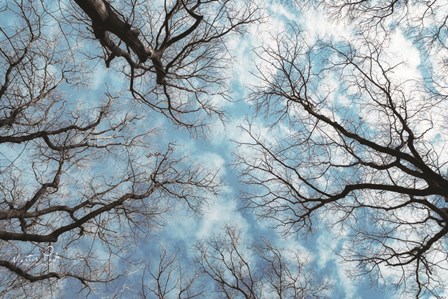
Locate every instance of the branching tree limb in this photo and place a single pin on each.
(261, 270)
(77, 180)
(185, 40)
(362, 153)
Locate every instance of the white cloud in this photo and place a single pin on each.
(219, 213)
(402, 51)
(210, 161)
(317, 25)
(325, 254)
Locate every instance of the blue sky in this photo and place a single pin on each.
(181, 229)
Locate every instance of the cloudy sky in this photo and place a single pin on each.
(218, 148)
(180, 229)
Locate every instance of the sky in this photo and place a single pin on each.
(217, 151)
(181, 229)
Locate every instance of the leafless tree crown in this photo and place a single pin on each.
(79, 181)
(358, 139)
(262, 270)
(184, 40)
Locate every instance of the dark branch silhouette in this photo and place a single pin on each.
(359, 154)
(105, 19)
(75, 173)
(185, 41)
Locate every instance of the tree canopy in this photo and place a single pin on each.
(138, 140)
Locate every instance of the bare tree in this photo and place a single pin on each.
(77, 184)
(358, 142)
(259, 271)
(170, 279)
(425, 21)
(185, 41)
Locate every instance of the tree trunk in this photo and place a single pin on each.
(105, 19)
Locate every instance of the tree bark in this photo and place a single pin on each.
(105, 19)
